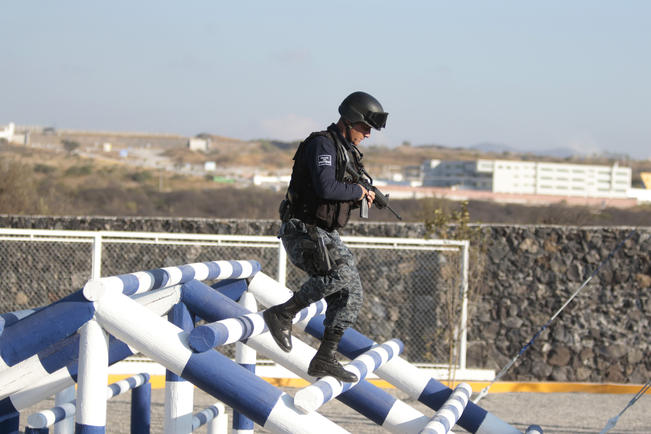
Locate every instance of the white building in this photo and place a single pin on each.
(9, 133)
(525, 177)
(198, 144)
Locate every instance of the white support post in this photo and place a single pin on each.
(66, 426)
(246, 357)
(93, 378)
(282, 264)
(96, 271)
(463, 344)
(179, 393)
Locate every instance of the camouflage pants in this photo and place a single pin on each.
(341, 287)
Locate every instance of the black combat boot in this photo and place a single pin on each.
(324, 361)
(279, 321)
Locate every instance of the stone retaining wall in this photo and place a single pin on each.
(603, 335)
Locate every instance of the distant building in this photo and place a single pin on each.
(9, 133)
(525, 177)
(198, 144)
(209, 166)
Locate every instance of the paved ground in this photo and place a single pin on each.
(554, 412)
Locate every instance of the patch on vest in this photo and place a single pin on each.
(324, 160)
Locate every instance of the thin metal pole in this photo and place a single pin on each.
(463, 344)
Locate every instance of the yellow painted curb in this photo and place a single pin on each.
(158, 382)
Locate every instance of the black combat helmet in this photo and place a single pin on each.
(362, 107)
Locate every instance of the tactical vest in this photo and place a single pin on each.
(303, 203)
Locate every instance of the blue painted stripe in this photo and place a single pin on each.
(365, 399)
(10, 423)
(242, 422)
(160, 277)
(206, 415)
(7, 409)
(89, 429)
(208, 336)
(235, 386)
(435, 395)
(171, 377)
(237, 269)
(377, 360)
(38, 331)
(141, 408)
(187, 273)
(361, 367)
(114, 388)
(231, 288)
(59, 413)
(213, 269)
(248, 366)
(326, 390)
(247, 326)
(130, 283)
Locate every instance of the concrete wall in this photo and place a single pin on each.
(603, 335)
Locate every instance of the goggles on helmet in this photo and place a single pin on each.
(376, 120)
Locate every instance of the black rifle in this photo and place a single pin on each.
(364, 179)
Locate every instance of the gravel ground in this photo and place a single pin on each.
(554, 412)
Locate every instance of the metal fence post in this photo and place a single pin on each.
(463, 344)
(282, 264)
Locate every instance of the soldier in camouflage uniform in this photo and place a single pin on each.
(319, 201)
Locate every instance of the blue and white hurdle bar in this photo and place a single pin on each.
(211, 371)
(399, 372)
(37, 331)
(374, 403)
(140, 405)
(214, 417)
(312, 397)
(229, 330)
(448, 415)
(142, 281)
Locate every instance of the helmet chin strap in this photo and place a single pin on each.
(348, 135)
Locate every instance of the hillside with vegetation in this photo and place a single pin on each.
(62, 180)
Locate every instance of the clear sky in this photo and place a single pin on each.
(526, 74)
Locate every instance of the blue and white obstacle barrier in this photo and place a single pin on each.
(47, 418)
(229, 330)
(211, 371)
(49, 361)
(35, 369)
(448, 415)
(369, 400)
(142, 281)
(327, 388)
(402, 374)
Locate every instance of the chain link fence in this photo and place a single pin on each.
(413, 289)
